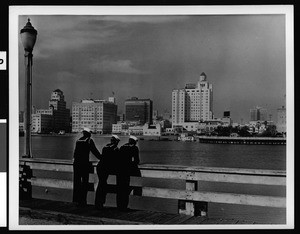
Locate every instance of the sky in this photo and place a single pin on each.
(148, 56)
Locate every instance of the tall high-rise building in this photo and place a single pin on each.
(98, 115)
(193, 103)
(281, 120)
(139, 110)
(258, 114)
(60, 115)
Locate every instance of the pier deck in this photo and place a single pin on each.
(68, 213)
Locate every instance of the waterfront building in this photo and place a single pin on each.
(61, 115)
(57, 116)
(152, 130)
(259, 126)
(190, 126)
(234, 125)
(281, 120)
(57, 108)
(169, 130)
(208, 126)
(226, 120)
(135, 130)
(258, 114)
(193, 103)
(165, 124)
(42, 123)
(98, 115)
(117, 128)
(138, 110)
(120, 128)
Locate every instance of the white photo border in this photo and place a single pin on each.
(16, 11)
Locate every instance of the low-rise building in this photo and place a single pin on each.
(207, 127)
(152, 130)
(190, 126)
(135, 130)
(116, 128)
(120, 128)
(258, 126)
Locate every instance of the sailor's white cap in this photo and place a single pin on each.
(134, 138)
(86, 129)
(116, 137)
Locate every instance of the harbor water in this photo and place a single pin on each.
(271, 157)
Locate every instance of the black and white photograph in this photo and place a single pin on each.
(150, 117)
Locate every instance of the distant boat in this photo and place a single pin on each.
(62, 132)
(186, 137)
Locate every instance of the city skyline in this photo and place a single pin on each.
(149, 56)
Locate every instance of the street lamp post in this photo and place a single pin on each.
(28, 38)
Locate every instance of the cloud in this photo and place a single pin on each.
(154, 19)
(66, 76)
(118, 66)
(65, 33)
(74, 40)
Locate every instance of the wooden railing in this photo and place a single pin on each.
(190, 201)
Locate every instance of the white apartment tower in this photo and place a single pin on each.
(193, 103)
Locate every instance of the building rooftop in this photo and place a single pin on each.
(57, 90)
(137, 99)
(190, 86)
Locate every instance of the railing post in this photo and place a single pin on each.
(193, 208)
(25, 188)
(91, 185)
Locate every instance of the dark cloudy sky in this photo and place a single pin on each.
(149, 56)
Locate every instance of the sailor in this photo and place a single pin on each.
(81, 165)
(127, 166)
(107, 166)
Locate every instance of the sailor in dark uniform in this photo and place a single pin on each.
(81, 165)
(107, 166)
(127, 166)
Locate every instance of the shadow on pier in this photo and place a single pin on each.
(67, 213)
